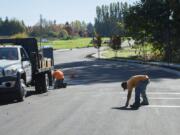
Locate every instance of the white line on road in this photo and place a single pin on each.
(166, 98)
(163, 106)
(160, 98)
(159, 93)
(164, 93)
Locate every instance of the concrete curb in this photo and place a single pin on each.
(62, 50)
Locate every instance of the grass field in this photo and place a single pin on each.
(68, 44)
(134, 53)
(123, 53)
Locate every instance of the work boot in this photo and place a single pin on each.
(135, 106)
(144, 103)
(64, 85)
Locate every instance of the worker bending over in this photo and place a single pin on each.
(139, 82)
(58, 76)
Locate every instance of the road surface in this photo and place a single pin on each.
(92, 102)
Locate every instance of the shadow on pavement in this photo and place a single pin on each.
(3, 103)
(6, 100)
(31, 93)
(103, 71)
(124, 108)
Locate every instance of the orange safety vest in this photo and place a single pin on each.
(58, 75)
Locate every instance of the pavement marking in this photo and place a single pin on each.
(159, 93)
(164, 93)
(166, 98)
(160, 98)
(163, 106)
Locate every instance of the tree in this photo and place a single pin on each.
(76, 27)
(83, 31)
(90, 30)
(97, 43)
(11, 27)
(63, 34)
(110, 18)
(68, 28)
(156, 22)
(115, 44)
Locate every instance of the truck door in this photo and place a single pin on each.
(26, 65)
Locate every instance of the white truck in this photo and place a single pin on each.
(22, 64)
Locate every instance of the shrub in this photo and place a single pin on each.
(20, 35)
(63, 34)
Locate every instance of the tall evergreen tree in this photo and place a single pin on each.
(11, 27)
(109, 17)
(90, 30)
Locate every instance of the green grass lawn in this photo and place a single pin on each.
(69, 44)
(128, 53)
(137, 52)
(123, 53)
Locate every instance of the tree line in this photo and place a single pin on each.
(110, 19)
(11, 27)
(46, 29)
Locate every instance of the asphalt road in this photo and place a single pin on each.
(92, 104)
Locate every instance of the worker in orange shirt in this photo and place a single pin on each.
(58, 75)
(139, 82)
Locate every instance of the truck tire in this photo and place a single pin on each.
(50, 77)
(38, 88)
(21, 91)
(41, 83)
(45, 83)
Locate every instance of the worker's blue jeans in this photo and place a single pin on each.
(141, 90)
(58, 83)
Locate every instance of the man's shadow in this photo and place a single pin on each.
(125, 108)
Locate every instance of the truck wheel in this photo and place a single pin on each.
(38, 86)
(42, 83)
(21, 91)
(45, 83)
(50, 77)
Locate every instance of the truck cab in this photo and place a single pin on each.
(14, 59)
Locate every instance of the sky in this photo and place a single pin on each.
(60, 10)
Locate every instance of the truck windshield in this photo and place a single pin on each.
(9, 53)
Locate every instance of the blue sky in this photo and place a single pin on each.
(59, 10)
